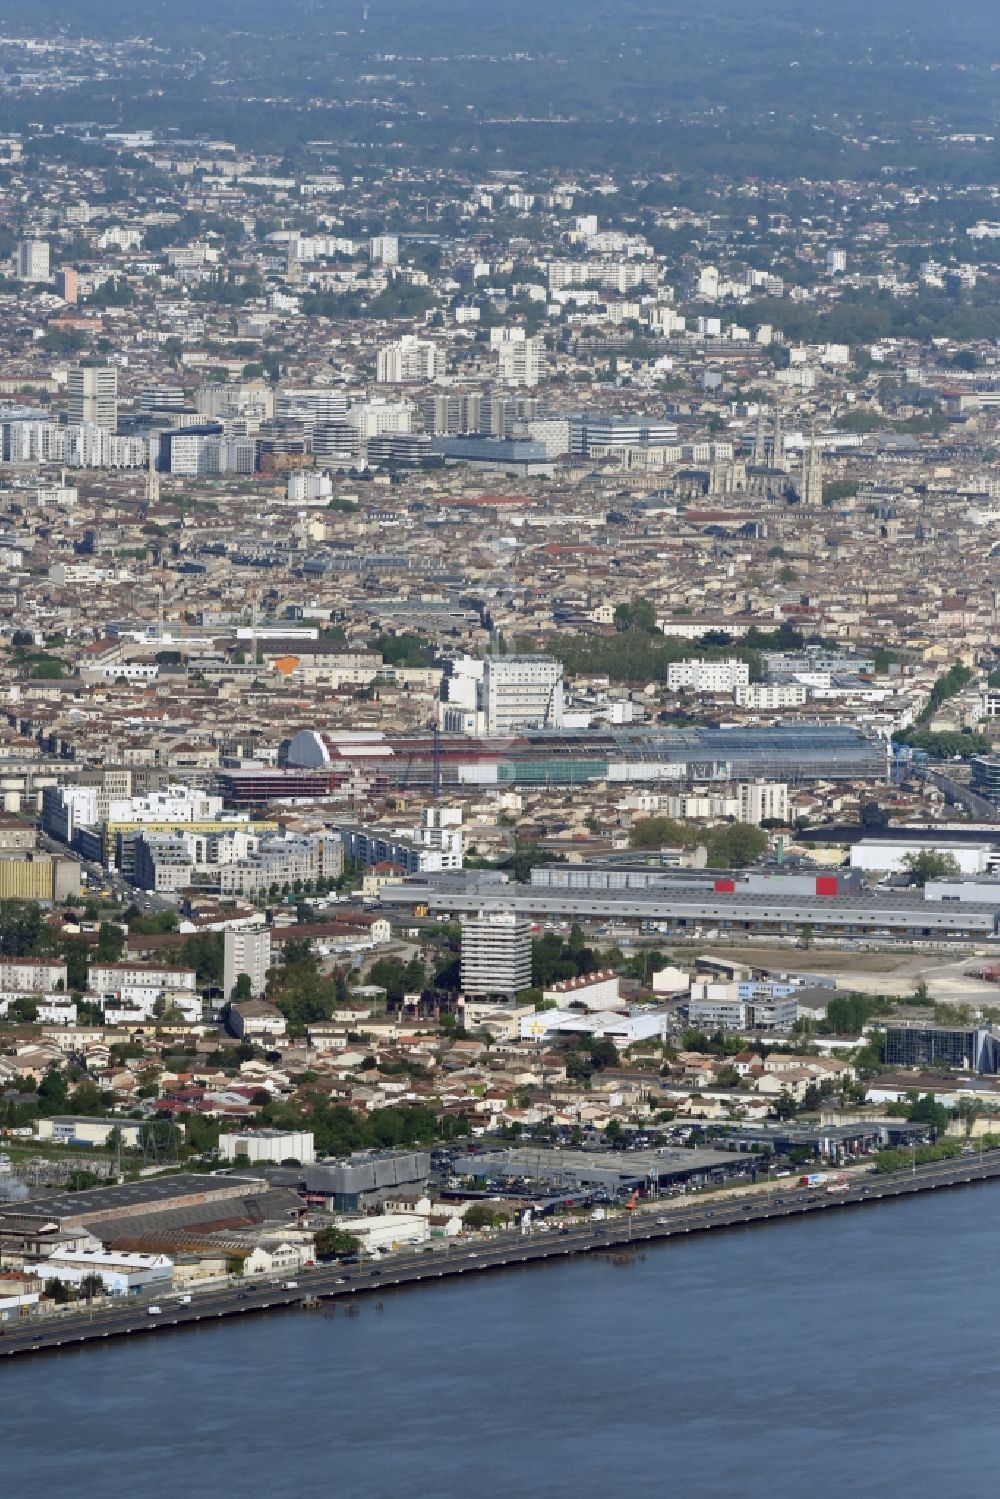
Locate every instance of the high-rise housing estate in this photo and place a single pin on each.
(522, 692)
(33, 260)
(496, 954)
(384, 249)
(408, 359)
(92, 395)
(763, 800)
(458, 412)
(246, 949)
(521, 360)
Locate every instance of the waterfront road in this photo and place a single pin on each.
(428, 1263)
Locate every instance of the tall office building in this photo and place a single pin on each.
(496, 954)
(92, 395)
(33, 260)
(246, 950)
(521, 692)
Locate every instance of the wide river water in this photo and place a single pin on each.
(852, 1354)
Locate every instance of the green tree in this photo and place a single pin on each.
(579, 1067)
(52, 1092)
(735, 845)
(333, 1243)
(481, 1215)
(930, 865)
(662, 832)
(82, 1180)
(603, 1053)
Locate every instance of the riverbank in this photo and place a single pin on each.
(617, 1234)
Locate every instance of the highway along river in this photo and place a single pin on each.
(851, 1353)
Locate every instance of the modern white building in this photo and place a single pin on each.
(272, 1145)
(247, 949)
(885, 856)
(122, 1273)
(387, 1230)
(591, 991)
(496, 954)
(119, 978)
(521, 692)
(376, 418)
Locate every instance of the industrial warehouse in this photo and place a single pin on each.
(775, 905)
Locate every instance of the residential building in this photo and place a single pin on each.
(521, 360)
(92, 396)
(31, 976)
(408, 360)
(256, 1020)
(762, 801)
(33, 260)
(707, 676)
(247, 949)
(384, 249)
(495, 954)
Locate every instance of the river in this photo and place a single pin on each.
(851, 1354)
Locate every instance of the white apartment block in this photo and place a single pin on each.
(92, 396)
(28, 440)
(33, 260)
(384, 249)
(122, 978)
(31, 976)
(408, 360)
(281, 860)
(521, 360)
(761, 800)
(609, 275)
(247, 950)
(770, 695)
(707, 676)
(496, 954)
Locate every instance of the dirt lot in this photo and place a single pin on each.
(895, 973)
